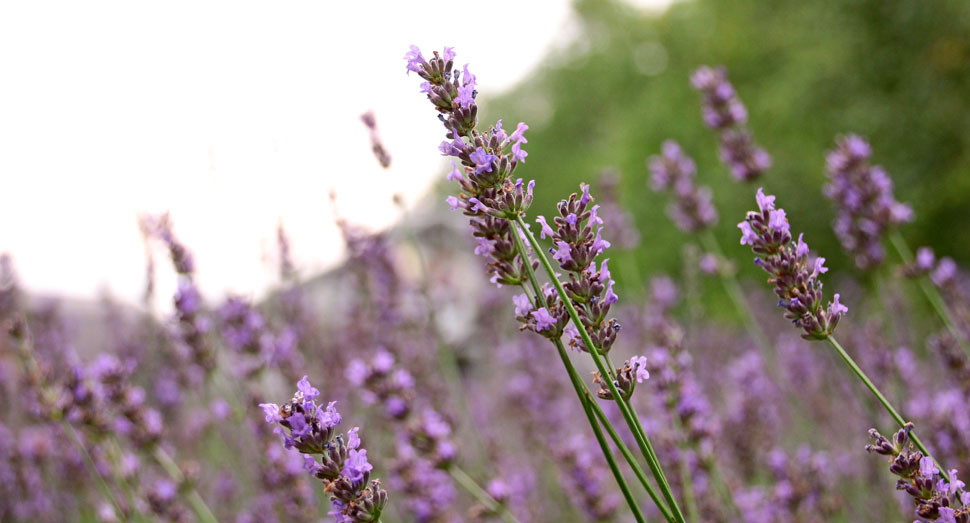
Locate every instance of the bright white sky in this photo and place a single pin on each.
(232, 116)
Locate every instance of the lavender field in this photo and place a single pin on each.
(520, 347)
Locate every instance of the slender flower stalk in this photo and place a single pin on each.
(630, 417)
(590, 407)
(492, 200)
(930, 280)
(799, 289)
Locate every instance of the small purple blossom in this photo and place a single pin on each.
(543, 319)
(522, 304)
(546, 230)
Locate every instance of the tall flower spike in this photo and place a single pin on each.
(343, 465)
(863, 197)
(795, 277)
(484, 163)
(692, 209)
(723, 111)
(578, 237)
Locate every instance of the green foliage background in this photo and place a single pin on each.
(896, 72)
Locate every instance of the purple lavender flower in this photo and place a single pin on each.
(864, 203)
(933, 496)
(723, 111)
(489, 195)
(579, 241)
(424, 447)
(632, 372)
(142, 424)
(192, 325)
(343, 465)
(692, 209)
(376, 144)
(796, 280)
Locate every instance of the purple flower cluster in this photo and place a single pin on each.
(632, 372)
(795, 278)
(489, 195)
(802, 489)
(247, 334)
(864, 203)
(692, 209)
(942, 272)
(140, 423)
(394, 388)
(578, 240)
(722, 110)
(193, 326)
(424, 446)
(934, 497)
(343, 466)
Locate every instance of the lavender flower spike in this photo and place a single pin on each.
(343, 465)
(723, 111)
(795, 278)
(864, 204)
(692, 209)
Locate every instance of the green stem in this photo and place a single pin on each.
(102, 485)
(722, 487)
(480, 494)
(175, 473)
(882, 399)
(630, 458)
(662, 480)
(585, 398)
(692, 512)
(620, 480)
(631, 419)
(931, 292)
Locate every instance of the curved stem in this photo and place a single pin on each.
(480, 494)
(630, 458)
(620, 480)
(931, 292)
(102, 485)
(175, 473)
(882, 399)
(631, 419)
(589, 405)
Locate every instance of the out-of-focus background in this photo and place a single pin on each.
(236, 118)
(232, 117)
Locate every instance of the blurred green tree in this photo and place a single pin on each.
(895, 72)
